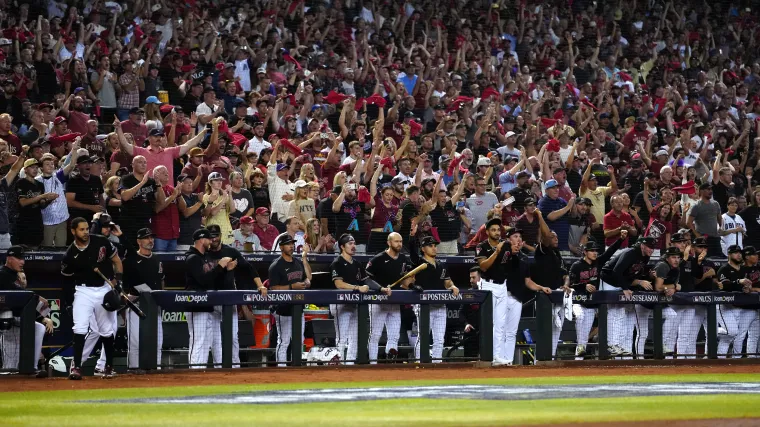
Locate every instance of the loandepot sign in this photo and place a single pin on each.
(474, 392)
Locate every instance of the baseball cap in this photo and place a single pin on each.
(16, 251)
(195, 151)
(246, 220)
(156, 132)
(529, 201)
(492, 222)
(285, 240)
(58, 120)
(201, 233)
(661, 153)
(282, 166)
(551, 183)
(649, 241)
(301, 184)
(591, 246)
(183, 176)
(678, 237)
(215, 176)
(734, 249)
(749, 251)
(484, 161)
(641, 119)
(522, 174)
(144, 233)
(105, 221)
(31, 162)
(262, 211)
(513, 230)
(229, 65)
(700, 242)
(152, 100)
(508, 134)
(83, 159)
(136, 110)
(583, 201)
(443, 158)
(409, 115)
(428, 241)
(672, 251)
(214, 230)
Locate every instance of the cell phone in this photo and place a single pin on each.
(324, 135)
(460, 204)
(508, 201)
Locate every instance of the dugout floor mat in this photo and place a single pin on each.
(480, 392)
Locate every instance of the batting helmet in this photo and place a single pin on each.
(112, 301)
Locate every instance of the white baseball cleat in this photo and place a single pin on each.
(498, 361)
(580, 350)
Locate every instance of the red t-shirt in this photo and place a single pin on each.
(14, 143)
(383, 214)
(509, 217)
(634, 136)
(612, 221)
(166, 223)
(139, 132)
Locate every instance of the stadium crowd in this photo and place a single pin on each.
(318, 119)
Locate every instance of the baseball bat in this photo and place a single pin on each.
(124, 298)
(412, 273)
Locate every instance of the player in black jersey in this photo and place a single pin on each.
(84, 255)
(690, 317)
(584, 280)
(626, 269)
(13, 278)
(288, 273)
(348, 274)
(385, 268)
(202, 274)
(731, 278)
(434, 277)
(748, 320)
(237, 268)
(666, 273)
(142, 268)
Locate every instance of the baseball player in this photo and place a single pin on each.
(142, 268)
(584, 280)
(202, 274)
(434, 277)
(216, 252)
(505, 273)
(752, 272)
(708, 282)
(385, 268)
(748, 319)
(92, 295)
(731, 279)
(689, 272)
(13, 278)
(628, 268)
(288, 273)
(667, 272)
(348, 275)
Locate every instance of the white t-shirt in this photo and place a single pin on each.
(243, 71)
(64, 53)
(257, 145)
(730, 223)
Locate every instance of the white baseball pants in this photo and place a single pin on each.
(747, 320)
(92, 337)
(88, 302)
(438, 315)
(558, 320)
(346, 333)
(753, 340)
(381, 316)
(506, 319)
(728, 318)
(204, 330)
(669, 328)
(11, 345)
(621, 320)
(690, 319)
(285, 336)
(584, 321)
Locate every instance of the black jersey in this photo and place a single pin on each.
(729, 277)
(239, 278)
(142, 270)
(201, 272)
(9, 279)
(625, 267)
(753, 274)
(434, 277)
(706, 284)
(385, 269)
(690, 270)
(496, 273)
(549, 269)
(80, 263)
(286, 273)
(583, 273)
(351, 272)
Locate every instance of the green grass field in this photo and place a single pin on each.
(75, 407)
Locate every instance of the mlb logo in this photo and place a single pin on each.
(341, 297)
(55, 304)
(248, 297)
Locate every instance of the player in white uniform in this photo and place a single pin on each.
(733, 229)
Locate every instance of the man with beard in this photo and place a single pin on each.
(134, 124)
(142, 267)
(628, 268)
(193, 97)
(288, 273)
(666, 272)
(639, 134)
(351, 215)
(521, 191)
(258, 143)
(91, 143)
(32, 198)
(385, 268)
(86, 254)
(584, 280)
(196, 169)
(76, 117)
(732, 279)
(84, 192)
(348, 274)
(218, 251)
(748, 320)
(204, 325)
(691, 317)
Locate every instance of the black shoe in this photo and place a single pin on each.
(392, 354)
(76, 374)
(109, 373)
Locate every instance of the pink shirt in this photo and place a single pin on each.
(164, 156)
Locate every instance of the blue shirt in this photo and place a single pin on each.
(408, 81)
(547, 205)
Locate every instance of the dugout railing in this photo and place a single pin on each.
(601, 300)
(191, 301)
(26, 301)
